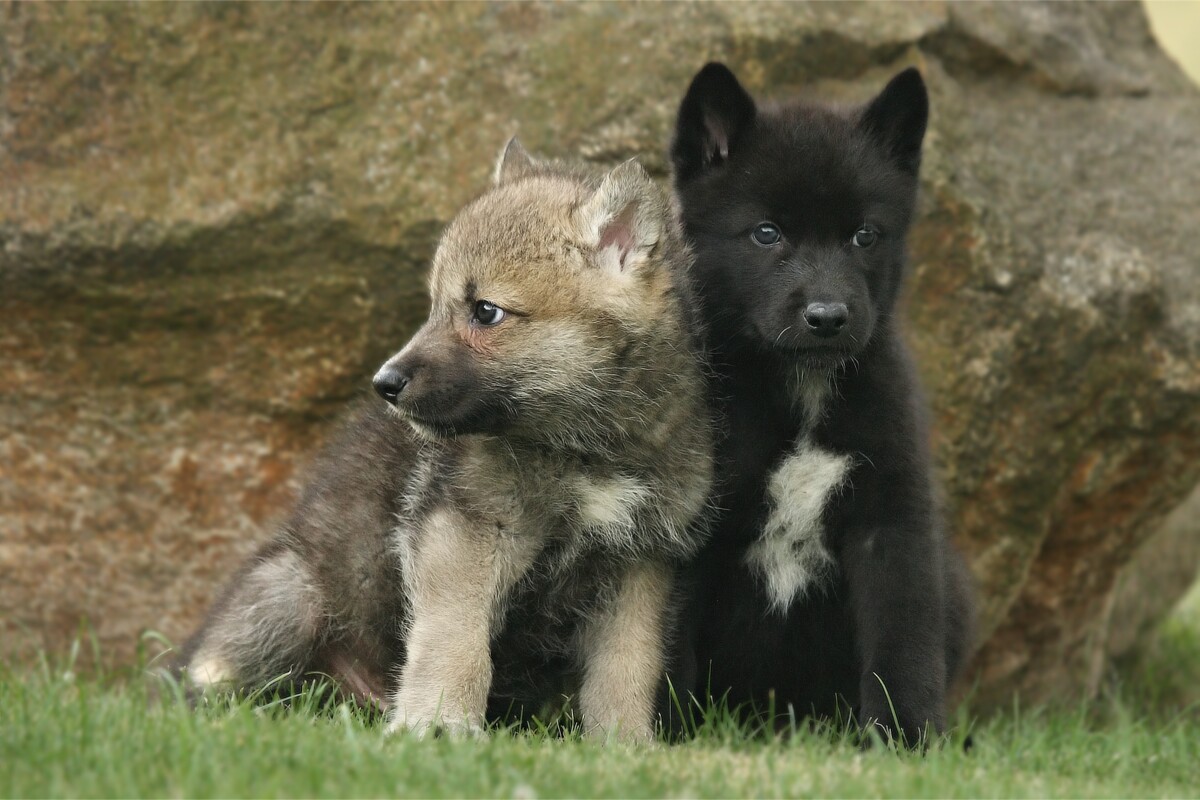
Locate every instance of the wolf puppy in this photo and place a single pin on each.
(508, 521)
(830, 575)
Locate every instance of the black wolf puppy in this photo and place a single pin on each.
(507, 523)
(829, 575)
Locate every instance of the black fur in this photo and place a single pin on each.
(895, 609)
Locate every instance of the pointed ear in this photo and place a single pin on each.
(896, 119)
(513, 163)
(623, 219)
(714, 113)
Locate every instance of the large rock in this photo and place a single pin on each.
(214, 220)
(1160, 573)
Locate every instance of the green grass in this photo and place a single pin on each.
(61, 736)
(65, 738)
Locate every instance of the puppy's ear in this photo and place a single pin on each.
(623, 219)
(715, 112)
(896, 119)
(514, 163)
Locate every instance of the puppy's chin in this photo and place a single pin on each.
(433, 430)
(428, 432)
(474, 421)
(424, 429)
(819, 358)
(803, 351)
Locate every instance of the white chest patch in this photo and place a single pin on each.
(790, 555)
(609, 504)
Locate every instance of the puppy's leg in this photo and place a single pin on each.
(263, 629)
(895, 586)
(459, 576)
(623, 656)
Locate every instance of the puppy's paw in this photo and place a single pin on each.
(890, 730)
(621, 734)
(422, 726)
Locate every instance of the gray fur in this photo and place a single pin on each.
(430, 564)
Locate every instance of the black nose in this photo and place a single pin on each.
(826, 319)
(389, 382)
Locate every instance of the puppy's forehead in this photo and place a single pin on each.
(815, 164)
(814, 147)
(520, 224)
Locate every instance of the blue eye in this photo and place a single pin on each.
(865, 236)
(766, 234)
(487, 313)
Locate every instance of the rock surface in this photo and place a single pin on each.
(214, 221)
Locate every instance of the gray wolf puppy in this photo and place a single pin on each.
(507, 524)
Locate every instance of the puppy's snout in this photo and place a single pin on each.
(826, 319)
(390, 381)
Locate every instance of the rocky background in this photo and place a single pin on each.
(214, 221)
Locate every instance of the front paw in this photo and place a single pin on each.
(637, 735)
(901, 712)
(422, 725)
(893, 727)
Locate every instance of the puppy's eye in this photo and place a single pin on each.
(766, 234)
(487, 314)
(865, 236)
